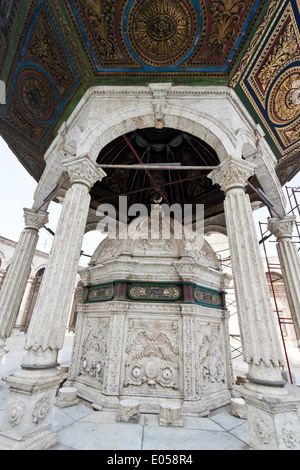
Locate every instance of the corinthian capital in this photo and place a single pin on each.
(232, 173)
(35, 220)
(282, 228)
(83, 170)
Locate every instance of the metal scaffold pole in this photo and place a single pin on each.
(293, 195)
(271, 267)
(274, 268)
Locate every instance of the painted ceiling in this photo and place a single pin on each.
(52, 51)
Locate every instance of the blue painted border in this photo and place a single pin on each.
(41, 5)
(264, 111)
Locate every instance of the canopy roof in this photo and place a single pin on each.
(52, 51)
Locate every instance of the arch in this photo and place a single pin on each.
(2, 259)
(106, 113)
(213, 228)
(208, 129)
(246, 143)
(39, 271)
(30, 304)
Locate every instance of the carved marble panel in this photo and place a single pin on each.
(152, 357)
(92, 361)
(210, 356)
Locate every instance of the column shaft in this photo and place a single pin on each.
(260, 338)
(52, 307)
(15, 281)
(290, 265)
(47, 328)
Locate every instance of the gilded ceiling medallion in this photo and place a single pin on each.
(161, 32)
(36, 95)
(282, 107)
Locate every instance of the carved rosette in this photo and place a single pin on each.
(282, 228)
(41, 410)
(160, 32)
(35, 220)
(232, 173)
(83, 171)
(16, 413)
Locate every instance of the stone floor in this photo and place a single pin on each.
(81, 428)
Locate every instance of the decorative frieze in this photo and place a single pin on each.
(156, 292)
(102, 293)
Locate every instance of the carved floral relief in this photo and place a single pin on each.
(211, 356)
(152, 355)
(94, 349)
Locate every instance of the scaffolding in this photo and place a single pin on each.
(235, 338)
(293, 196)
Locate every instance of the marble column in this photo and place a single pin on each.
(261, 346)
(46, 332)
(15, 281)
(27, 418)
(272, 410)
(290, 264)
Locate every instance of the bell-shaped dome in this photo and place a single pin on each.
(158, 236)
(155, 248)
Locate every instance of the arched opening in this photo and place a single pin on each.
(36, 283)
(167, 151)
(148, 164)
(77, 299)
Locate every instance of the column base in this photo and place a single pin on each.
(27, 418)
(274, 421)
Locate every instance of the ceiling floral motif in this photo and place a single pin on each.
(272, 80)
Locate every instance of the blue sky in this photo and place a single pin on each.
(16, 192)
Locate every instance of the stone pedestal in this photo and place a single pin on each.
(273, 420)
(27, 417)
(67, 396)
(15, 281)
(170, 415)
(129, 411)
(290, 264)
